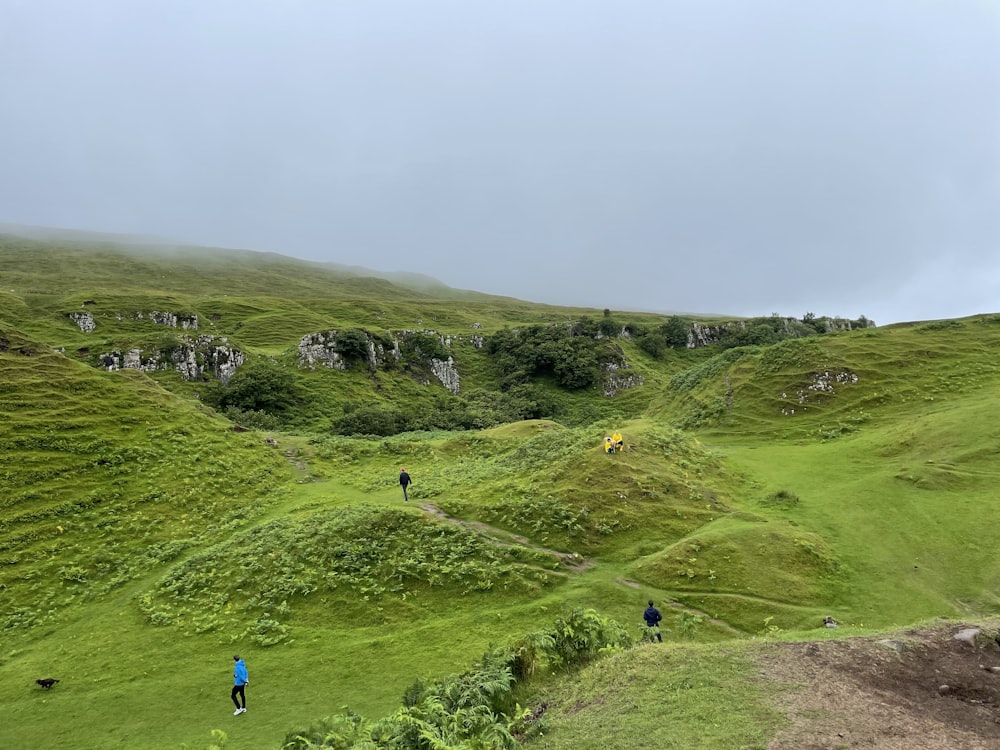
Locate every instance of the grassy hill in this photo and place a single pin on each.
(148, 536)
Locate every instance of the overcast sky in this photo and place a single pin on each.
(727, 156)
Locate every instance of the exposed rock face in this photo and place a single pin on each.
(321, 350)
(705, 335)
(191, 358)
(188, 322)
(617, 379)
(85, 321)
(445, 371)
(318, 349)
(203, 355)
(842, 324)
(701, 335)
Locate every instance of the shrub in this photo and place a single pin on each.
(675, 332)
(652, 344)
(371, 420)
(583, 634)
(259, 385)
(254, 420)
(352, 345)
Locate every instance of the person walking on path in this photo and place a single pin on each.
(404, 482)
(240, 680)
(652, 617)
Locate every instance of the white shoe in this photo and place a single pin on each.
(239, 711)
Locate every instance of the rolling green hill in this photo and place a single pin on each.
(199, 452)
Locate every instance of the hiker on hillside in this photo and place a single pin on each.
(609, 447)
(652, 617)
(240, 681)
(404, 482)
(619, 442)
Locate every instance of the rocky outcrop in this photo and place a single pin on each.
(325, 349)
(317, 349)
(704, 335)
(821, 382)
(172, 320)
(85, 321)
(207, 355)
(192, 358)
(339, 350)
(445, 371)
(843, 324)
(618, 378)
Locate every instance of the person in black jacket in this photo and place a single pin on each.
(404, 482)
(652, 617)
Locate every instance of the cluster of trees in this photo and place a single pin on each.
(263, 391)
(571, 355)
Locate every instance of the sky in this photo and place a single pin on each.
(729, 156)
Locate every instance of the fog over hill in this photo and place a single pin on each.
(741, 158)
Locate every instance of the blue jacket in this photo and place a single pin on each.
(240, 673)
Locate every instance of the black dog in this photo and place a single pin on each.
(47, 683)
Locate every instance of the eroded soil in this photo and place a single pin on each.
(920, 689)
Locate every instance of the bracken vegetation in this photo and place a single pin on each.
(222, 492)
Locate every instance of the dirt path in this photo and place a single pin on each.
(572, 560)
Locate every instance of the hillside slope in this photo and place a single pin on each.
(148, 536)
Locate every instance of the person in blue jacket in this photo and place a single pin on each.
(240, 681)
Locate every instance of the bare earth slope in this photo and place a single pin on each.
(921, 689)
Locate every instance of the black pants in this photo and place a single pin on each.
(406, 497)
(239, 689)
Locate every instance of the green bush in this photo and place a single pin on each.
(476, 709)
(571, 355)
(675, 332)
(260, 385)
(582, 634)
(352, 345)
(253, 420)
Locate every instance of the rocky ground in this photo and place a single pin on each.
(932, 688)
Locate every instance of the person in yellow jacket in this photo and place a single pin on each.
(619, 442)
(609, 446)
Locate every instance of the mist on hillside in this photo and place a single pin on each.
(737, 158)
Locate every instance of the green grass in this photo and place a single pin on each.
(661, 696)
(144, 541)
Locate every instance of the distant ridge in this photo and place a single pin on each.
(160, 245)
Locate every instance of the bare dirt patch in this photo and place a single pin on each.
(920, 688)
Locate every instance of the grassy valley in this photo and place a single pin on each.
(154, 524)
